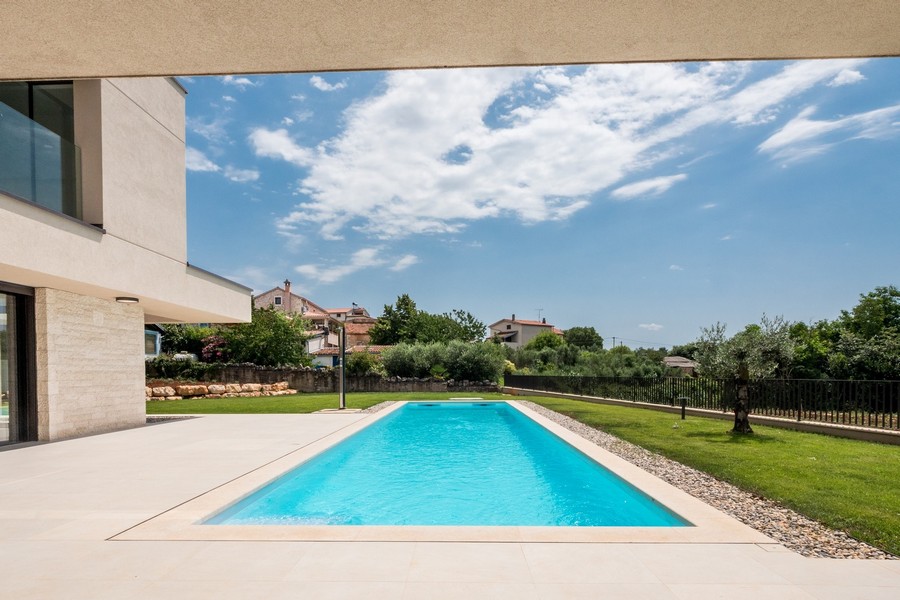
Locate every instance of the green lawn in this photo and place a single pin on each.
(846, 484)
(298, 403)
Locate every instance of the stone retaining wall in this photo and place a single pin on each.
(214, 390)
(264, 381)
(326, 381)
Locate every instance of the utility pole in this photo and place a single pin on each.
(614, 341)
(342, 387)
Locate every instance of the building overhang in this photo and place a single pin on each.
(46, 39)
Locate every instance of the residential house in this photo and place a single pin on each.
(515, 333)
(349, 314)
(93, 248)
(328, 357)
(687, 366)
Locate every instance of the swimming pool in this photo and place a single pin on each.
(456, 463)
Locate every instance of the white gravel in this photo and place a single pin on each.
(794, 531)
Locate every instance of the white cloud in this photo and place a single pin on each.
(803, 137)
(322, 85)
(676, 268)
(242, 83)
(361, 259)
(846, 77)
(534, 155)
(229, 99)
(725, 238)
(650, 326)
(298, 97)
(287, 121)
(648, 187)
(213, 130)
(709, 206)
(195, 160)
(405, 262)
(241, 175)
(278, 144)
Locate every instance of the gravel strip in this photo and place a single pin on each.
(377, 407)
(796, 532)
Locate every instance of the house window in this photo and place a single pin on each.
(152, 341)
(509, 326)
(39, 161)
(277, 300)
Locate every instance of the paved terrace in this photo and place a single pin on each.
(61, 502)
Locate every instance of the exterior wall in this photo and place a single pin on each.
(526, 333)
(144, 189)
(131, 135)
(90, 364)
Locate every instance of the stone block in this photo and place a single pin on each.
(163, 391)
(191, 390)
(232, 388)
(251, 387)
(215, 389)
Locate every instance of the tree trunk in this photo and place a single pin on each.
(742, 404)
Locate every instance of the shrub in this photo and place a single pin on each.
(364, 363)
(165, 367)
(456, 360)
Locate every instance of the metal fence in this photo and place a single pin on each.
(859, 403)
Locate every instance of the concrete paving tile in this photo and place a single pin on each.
(23, 529)
(338, 590)
(707, 563)
(585, 563)
(835, 572)
(741, 591)
(420, 590)
(469, 562)
(354, 561)
(239, 561)
(860, 591)
(593, 591)
(98, 589)
(214, 590)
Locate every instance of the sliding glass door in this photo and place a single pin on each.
(17, 411)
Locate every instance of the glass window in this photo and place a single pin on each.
(8, 371)
(39, 161)
(277, 300)
(151, 343)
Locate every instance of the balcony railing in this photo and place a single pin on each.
(37, 165)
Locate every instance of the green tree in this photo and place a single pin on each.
(878, 310)
(396, 323)
(585, 338)
(271, 338)
(545, 339)
(183, 337)
(766, 350)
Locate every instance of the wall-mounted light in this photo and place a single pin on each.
(126, 300)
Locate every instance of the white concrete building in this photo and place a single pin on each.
(515, 333)
(93, 245)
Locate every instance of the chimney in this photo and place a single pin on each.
(287, 300)
(514, 317)
(544, 320)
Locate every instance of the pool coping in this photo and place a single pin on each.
(184, 522)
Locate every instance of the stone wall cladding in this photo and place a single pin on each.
(90, 364)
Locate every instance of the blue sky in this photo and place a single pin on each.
(646, 201)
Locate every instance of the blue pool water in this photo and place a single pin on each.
(450, 464)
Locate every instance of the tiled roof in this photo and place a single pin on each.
(522, 322)
(358, 328)
(338, 310)
(678, 361)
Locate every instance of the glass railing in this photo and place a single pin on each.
(37, 165)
